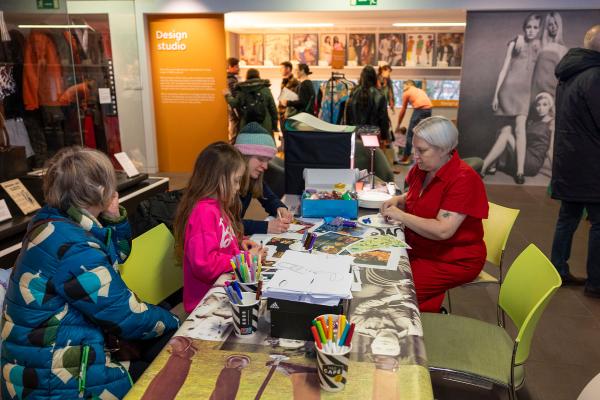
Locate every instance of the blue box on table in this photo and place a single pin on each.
(324, 180)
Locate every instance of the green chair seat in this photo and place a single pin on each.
(469, 346)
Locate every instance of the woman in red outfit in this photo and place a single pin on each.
(442, 213)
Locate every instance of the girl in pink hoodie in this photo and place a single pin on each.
(208, 228)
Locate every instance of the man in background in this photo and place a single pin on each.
(421, 105)
(576, 161)
(287, 81)
(233, 69)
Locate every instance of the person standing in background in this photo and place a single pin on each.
(575, 168)
(287, 81)
(306, 94)
(233, 69)
(421, 105)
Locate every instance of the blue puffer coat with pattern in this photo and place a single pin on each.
(63, 295)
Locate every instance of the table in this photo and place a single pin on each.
(12, 231)
(205, 360)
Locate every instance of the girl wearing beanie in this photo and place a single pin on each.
(258, 148)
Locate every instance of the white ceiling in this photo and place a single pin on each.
(240, 22)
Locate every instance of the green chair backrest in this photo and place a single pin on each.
(151, 271)
(527, 289)
(496, 230)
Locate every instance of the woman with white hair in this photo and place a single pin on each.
(442, 212)
(65, 294)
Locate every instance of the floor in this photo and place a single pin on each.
(566, 348)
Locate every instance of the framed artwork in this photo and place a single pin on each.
(277, 49)
(305, 48)
(329, 42)
(449, 49)
(420, 49)
(361, 49)
(251, 49)
(390, 49)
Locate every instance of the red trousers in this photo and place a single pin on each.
(432, 280)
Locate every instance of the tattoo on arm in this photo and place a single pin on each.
(447, 214)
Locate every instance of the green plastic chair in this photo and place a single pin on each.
(151, 271)
(479, 353)
(496, 230)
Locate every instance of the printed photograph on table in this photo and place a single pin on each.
(251, 49)
(305, 48)
(333, 243)
(361, 49)
(278, 245)
(390, 49)
(508, 72)
(376, 258)
(306, 226)
(420, 49)
(449, 49)
(329, 42)
(277, 49)
(358, 231)
(376, 242)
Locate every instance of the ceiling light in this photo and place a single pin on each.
(55, 26)
(428, 24)
(267, 25)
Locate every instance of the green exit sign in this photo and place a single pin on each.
(363, 2)
(47, 4)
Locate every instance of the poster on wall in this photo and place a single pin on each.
(277, 49)
(305, 48)
(508, 86)
(251, 49)
(420, 49)
(361, 49)
(449, 49)
(328, 42)
(390, 49)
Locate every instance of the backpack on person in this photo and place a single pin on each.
(253, 107)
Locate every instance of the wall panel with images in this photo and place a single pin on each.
(508, 87)
(361, 49)
(305, 48)
(420, 49)
(449, 49)
(277, 49)
(251, 49)
(390, 49)
(328, 42)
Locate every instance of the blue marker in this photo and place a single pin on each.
(238, 291)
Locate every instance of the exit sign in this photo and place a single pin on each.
(363, 2)
(47, 4)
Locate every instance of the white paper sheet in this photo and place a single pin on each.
(127, 164)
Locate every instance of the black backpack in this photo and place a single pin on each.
(154, 211)
(253, 107)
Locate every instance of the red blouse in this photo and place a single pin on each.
(455, 187)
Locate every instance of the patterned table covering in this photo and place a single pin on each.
(388, 361)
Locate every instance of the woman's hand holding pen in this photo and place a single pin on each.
(282, 223)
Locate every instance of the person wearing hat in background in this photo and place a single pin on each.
(306, 94)
(258, 148)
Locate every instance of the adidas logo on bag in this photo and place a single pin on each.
(274, 306)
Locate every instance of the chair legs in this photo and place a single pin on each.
(449, 302)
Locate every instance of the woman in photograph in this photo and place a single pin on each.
(539, 139)
(553, 50)
(513, 90)
(337, 45)
(397, 50)
(352, 54)
(326, 48)
(365, 51)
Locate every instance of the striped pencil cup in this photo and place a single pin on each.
(245, 315)
(249, 287)
(333, 369)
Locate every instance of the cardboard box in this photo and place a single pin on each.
(293, 319)
(324, 180)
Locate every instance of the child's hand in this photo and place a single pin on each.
(112, 211)
(258, 250)
(248, 244)
(285, 215)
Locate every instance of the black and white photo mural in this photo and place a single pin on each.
(506, 112)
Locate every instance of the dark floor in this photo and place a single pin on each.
(566, 348)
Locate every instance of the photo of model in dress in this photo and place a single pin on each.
(305, 48)
(507, 118)
(390, 49)
(328, 42)
(277, 49)
(420, 49)
(251, 49)
(449, 49)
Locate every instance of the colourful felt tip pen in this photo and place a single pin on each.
(324, 325)
(344, 334)
(330, 328)
(349, 337)
(321, 332)
(313, 329)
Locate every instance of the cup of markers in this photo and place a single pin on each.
(247, 272)
(245, 307)
(333, 340)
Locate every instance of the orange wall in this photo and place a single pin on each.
(188, 79)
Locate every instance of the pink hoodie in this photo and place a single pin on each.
(208, 247)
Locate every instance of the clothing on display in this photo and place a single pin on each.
(334, 94)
